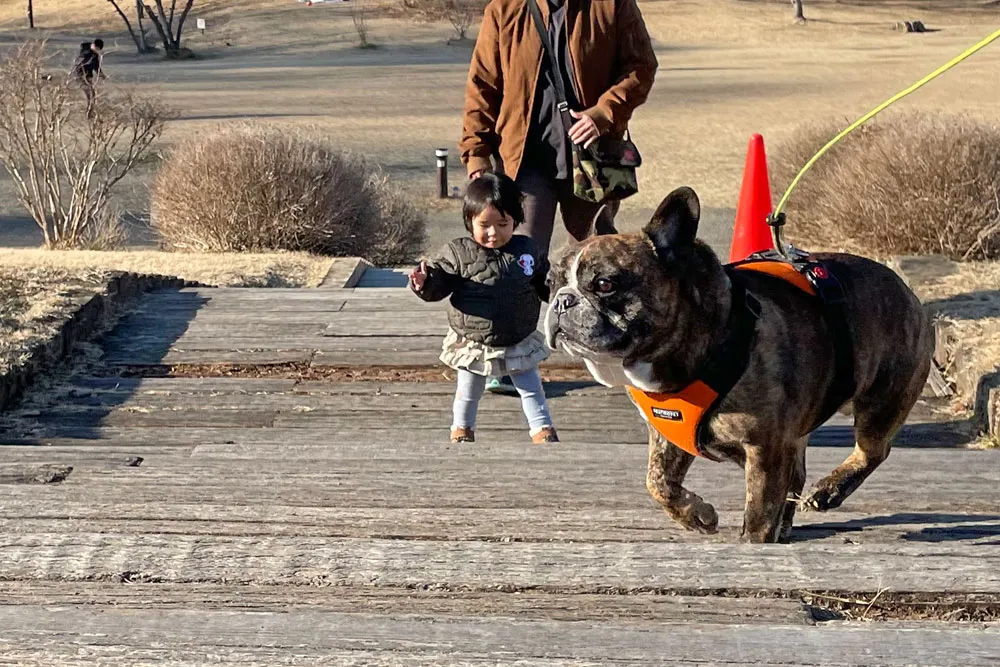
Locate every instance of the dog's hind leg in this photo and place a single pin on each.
(881, 407)
(770, 473)
(875, 424)
(668, 466)
(795, 487)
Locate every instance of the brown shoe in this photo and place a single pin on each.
(463, 434)
(547, 434)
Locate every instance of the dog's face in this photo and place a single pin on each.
(624, 299)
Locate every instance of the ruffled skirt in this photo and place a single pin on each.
(460, 353)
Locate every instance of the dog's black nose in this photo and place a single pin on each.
(566, 301)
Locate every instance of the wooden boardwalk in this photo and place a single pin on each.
(261, 505)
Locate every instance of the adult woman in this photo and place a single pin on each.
(512, 122)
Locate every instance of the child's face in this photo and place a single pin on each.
(492, 230)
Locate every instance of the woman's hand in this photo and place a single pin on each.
(418, 277)
(584, 131)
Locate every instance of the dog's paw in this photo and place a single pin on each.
(696, 515)
(820, 500)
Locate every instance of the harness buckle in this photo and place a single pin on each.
(827, 287)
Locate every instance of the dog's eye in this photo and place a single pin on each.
(604, 286)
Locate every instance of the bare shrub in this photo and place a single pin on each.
(63, 155)
(909, 183)
(461, 14)
(359, 15)
(251, 187)
(106, 232)
(401, 234)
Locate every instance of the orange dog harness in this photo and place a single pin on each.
(681, 417)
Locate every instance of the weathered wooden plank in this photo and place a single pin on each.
(507, 486)
(84, 385)
(616, 407)
(554, 390)
(34, 473)
(378, 324)
(152, 419)
(345, 273)
(412, 308)
(584, 567)
(369, 354)
(289, 339)
(640, 523)
(88, 454)
(622, 608)
(244, 326)
(81, 385)
(507, 640)
(315, 443)
(274, 355)
(174, 311)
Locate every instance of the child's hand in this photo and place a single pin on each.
(418, 277)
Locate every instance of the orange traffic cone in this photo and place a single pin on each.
(752, 233)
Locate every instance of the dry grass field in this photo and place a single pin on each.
(727, 69)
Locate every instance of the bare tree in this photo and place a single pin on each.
(31, 14)
(166, 28)
(359, 14)
(462, 14)
(797, 4)
(139, 32)
(63, 163)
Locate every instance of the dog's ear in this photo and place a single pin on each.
(674, 226)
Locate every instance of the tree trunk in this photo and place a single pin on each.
(180, 22)
(159, 28)
(798, 11)
(128, 24)
(31, 15)
(164, 24)
(143, 42)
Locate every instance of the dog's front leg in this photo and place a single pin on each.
(664, 478)
(769, 475)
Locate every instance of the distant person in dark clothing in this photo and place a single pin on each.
(88, 69)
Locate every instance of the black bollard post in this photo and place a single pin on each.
(442, 172)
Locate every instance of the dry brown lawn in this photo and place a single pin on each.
(969, 300)
(727, 69)
(34, 303)
(218, 270)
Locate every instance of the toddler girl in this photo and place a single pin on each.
(496, 288)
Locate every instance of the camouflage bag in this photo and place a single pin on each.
(605, 170)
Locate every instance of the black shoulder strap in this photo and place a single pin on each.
(547, 52)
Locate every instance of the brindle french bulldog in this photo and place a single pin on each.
(647, 309)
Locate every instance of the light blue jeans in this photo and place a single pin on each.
(529, 387)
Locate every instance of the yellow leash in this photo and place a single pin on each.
(776, 218)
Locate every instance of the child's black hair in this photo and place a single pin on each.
(84, 46)
(99, 43)
(496, 190)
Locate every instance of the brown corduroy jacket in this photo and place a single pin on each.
(613, 69)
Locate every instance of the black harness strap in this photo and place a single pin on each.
(831, 294)
(728, 361)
